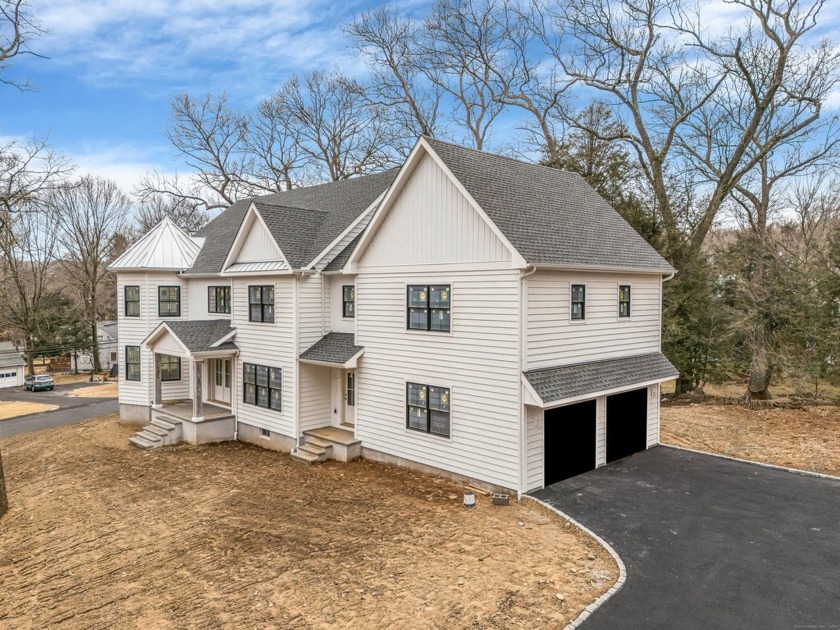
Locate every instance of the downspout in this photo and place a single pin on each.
(523, 420)
(297, 277)
(234, 369)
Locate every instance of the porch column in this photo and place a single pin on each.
(158, 401)
(198, 411)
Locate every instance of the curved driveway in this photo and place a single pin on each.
(711, 543)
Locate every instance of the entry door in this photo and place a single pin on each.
(569, 441)
(350, 397)
(222, 380)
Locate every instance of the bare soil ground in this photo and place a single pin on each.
(788, 388)
(103, 535)
(807, 438)
(14, 408)
(107, 390)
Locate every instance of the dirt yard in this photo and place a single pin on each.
(103, 535)
(107, 390)
(14, 408)
(808, 439)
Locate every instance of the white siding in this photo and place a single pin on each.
(338, 322)
(534, 447)
(133, 330)
(600, 431)
(315, 403)
(314, 406)
(553, 339)
(258, 245)
(198, 297)
(479, 361)
(653, 415)
(310, 319)
(267, 344)
(431, 222)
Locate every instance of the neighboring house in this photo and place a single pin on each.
(108, 340)
(12, 365)
(468, 313)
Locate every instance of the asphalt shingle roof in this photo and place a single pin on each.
(200, 335)
(571, 381)
(336, 205)
(551, 217)
(340, 259)
(333, 347)
(9, 355)
(109, 328)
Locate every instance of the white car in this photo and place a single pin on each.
(34, 383)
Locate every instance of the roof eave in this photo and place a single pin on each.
(562, 402)
(604, 268)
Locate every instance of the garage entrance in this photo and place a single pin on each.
(569, 441)
(626, 424)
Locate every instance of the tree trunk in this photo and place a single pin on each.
(94, 344)
(759, 384)
(4, 500)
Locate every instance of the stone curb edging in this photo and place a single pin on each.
(622, 571)
(797, 471)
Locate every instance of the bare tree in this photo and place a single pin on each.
(28, 170)
(17, 28)
(398, 85)
(184, 214)
(277, 159)
(88, 215)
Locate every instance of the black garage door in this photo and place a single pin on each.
(569, 447)
(626, 424)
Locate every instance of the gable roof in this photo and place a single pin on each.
(332, 206)
(198, 335)
(110, 328)
(334, 348)
(550, 217)
(165, 246)
(9, 355)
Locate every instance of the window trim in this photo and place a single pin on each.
(170, 380)
(126, 301)
(629, 301)
(268, 386)
(429, 285)
(213, 290)
(345, 301)
(139, 364)
(428, 430)
(263, 304)
(573, 319)
(351, 391)
(169, 286)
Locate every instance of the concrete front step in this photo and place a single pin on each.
(339, 444)
(304, 456)
(166, 423)
(141, 442)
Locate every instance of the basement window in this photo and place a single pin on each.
(265, 433)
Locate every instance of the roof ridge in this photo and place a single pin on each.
(324, 184)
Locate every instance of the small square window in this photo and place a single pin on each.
(169, 301)
(265, 433)
(427, 409)
(429, 308)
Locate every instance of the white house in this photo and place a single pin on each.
(12, 365)
(107, 340)
(466, 313)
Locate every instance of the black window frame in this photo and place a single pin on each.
(126, 301)
(444, 399)
(251, 389)
(621, 289)
(213, 299)
(428, 308)
(170, 378)
(129, 364)
(348, 301)
(582, 303)
(262, 304)
(177, 300)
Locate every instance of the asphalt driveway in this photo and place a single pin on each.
(711, 543)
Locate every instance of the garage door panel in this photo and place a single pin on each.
(569, 441)
(626, 424)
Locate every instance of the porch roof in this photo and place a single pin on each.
(335, 348)
(197, 336)
(567, 382)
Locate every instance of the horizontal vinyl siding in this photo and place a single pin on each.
(267, 344)
(552, 339)
(653, 416)
(310, 321)
(315, 396)
(177, 390)
(338, 322)
(198, 297)
(534, 448)
(314, 401)
(479, 361)
(431, 222)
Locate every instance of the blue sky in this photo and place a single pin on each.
(103, 95)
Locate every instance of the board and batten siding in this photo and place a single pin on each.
(133, 330)
(199, 302)
(431, 222)
(271, 344)
(478, 361)
(553, 339)
(259, 245)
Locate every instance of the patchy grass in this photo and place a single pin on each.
(108, 390)
(15, 408)
(808, 438)
(101, 534)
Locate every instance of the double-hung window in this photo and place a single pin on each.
(427, 409)
(132, 301)
(218, 299)
(132, 363)
(348, 299)
(624, 300)
(578, 301)
(169, 301)
(263, 386)
(429, 307)
(261, 303)
(170, 368)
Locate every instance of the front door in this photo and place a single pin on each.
(221, 380)
(350, 397)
